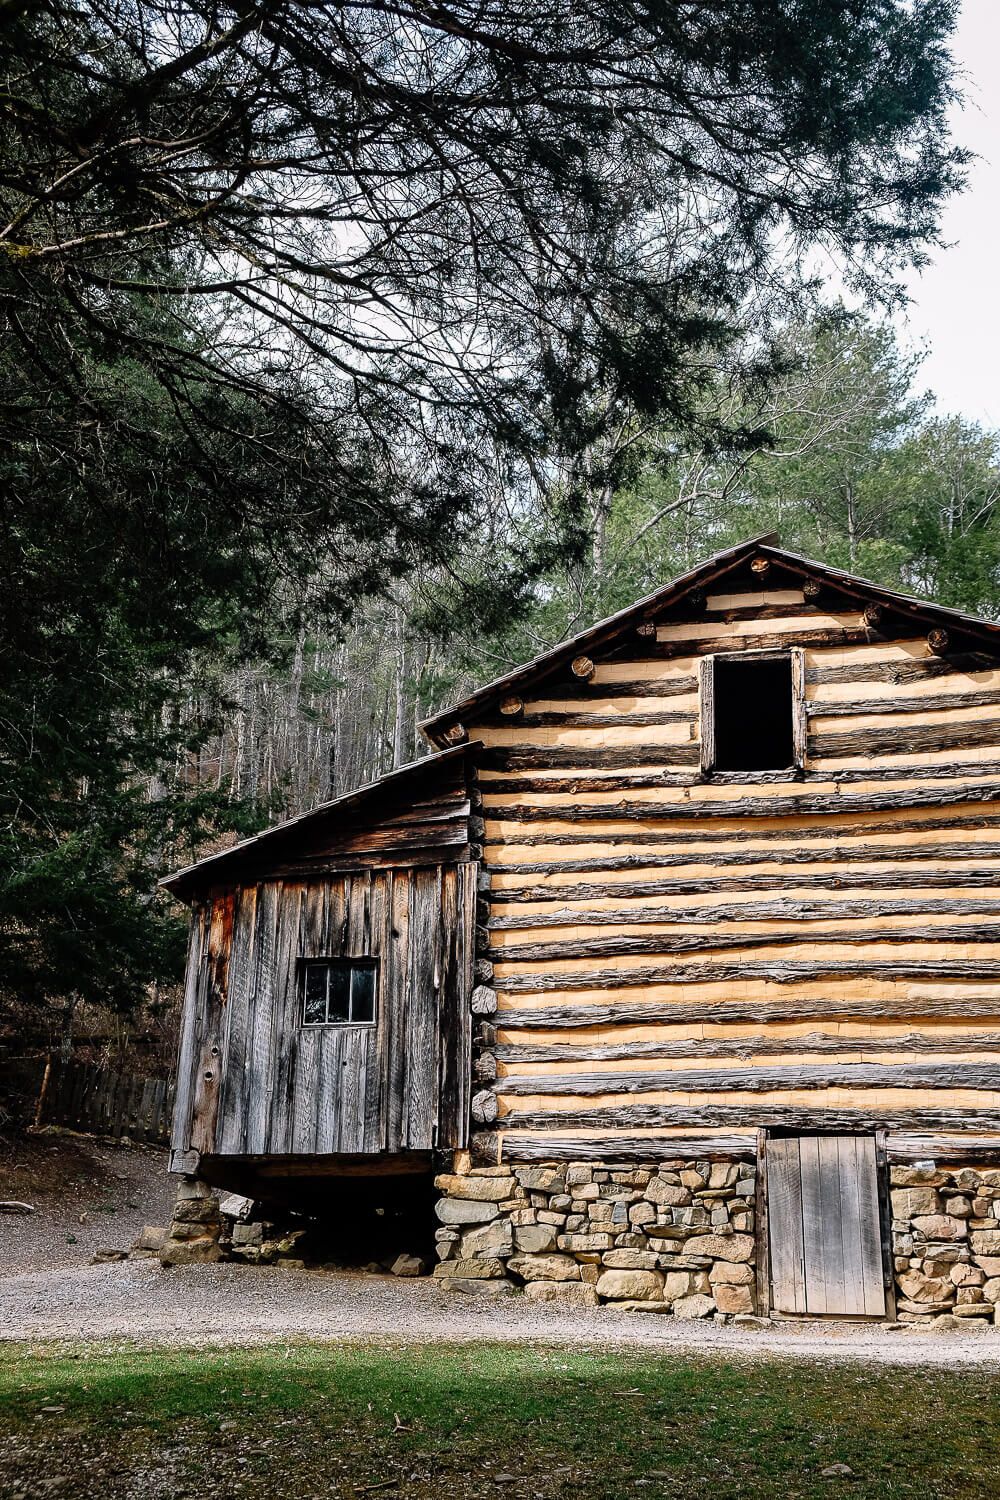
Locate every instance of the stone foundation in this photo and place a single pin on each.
(946, 1242)
(675, 1237)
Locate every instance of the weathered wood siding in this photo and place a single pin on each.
(253, 1081)
(681, 959)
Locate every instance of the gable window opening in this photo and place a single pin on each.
(749, 717)
(338, 991)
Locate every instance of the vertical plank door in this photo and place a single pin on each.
(823, 1225)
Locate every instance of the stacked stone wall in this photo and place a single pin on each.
(677, 1236)
(946, 1241)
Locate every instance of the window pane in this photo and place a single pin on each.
(315, 995)
(363, 994)
(338, 1007)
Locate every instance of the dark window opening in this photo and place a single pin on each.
(338, 991)
(753, 714)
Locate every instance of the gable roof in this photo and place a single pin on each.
(607, 633)
(406, 780)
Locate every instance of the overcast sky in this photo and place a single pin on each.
(955, 311)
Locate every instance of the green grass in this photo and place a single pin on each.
(474, 1423)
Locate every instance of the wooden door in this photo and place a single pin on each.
(824, 1226)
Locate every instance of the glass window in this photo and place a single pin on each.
(338, 991)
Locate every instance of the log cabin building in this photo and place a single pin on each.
(677, 962)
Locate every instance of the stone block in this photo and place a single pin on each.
(468, 1286)
(644, 1286)
(544, 1267)
(989, 1264)
(958, 1207)
(542, 1179)
(908, 1202)
(666, 1194)
(920, 1174)
(636, 1305)
(578, 1242)
(940, 1226)
(963, 1274)
(464, 1211)
(916, 1287)
(193, 1187)
(408, 1265)
(731, 1273)
(248, 1234)
(691, 1178)
(737, 1247)
(723, 1174)
(630, 1260)
(488, 1240)
(534, 1239)
(201, 1251)
(577, 1172)
(152, 1237)
(904, 1305)
(985, 1242)
(562, 1293)
(475, 1189)
(699, 1305)
(991, 1289)
(471, 1270)
(733, 1299)
(198, 1211)
(677, 1284)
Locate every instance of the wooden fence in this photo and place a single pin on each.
(101, 1101)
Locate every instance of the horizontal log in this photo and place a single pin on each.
(905, 739)
(948, 1149)
(933, 703)
(788, 910)
(719, 942)
(758, 1080)
(764, 1116)
(950, 770)
(917, 669)
(577, 719)
(573, 694)
(622, 1150)
(824, 636)
(829, 1008)
(531, 757)
(775, 971)
(914, 877)
(687, 840)
(823, 1043)
(794, 804)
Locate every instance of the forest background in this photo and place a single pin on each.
(355, 354)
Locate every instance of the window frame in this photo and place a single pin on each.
(706, 714)
(352, 963)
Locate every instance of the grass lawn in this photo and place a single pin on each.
(303, 1420)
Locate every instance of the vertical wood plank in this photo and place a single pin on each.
(180, 1132)
(373, 1133)
(258, 1039)
(397, 1006)
(706, 698)
(784, 1184)
(284, 1030)
(816, 1222)
(232, 1101)
(869, 1228)
(305, 1094)
(851, 1293)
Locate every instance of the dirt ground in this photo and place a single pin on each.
(86, 1196)
(89, 1196)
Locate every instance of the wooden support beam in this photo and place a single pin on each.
(511, 706)
(938, 642)
(582, 667)
(624, 1150)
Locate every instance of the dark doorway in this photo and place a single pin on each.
(753, 720)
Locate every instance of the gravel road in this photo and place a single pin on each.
(229, 1304)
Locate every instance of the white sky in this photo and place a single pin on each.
(955, 307)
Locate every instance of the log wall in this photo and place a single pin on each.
(673, 956)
